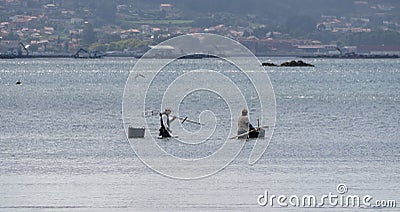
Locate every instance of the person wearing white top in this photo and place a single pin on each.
(244, 126)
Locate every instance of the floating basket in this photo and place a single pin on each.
(135, 132)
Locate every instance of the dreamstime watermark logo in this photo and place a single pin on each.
(341, 188)
(341, 199)
(210, 92)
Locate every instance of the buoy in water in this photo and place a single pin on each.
(18, 82)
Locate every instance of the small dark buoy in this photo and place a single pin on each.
(18, 82)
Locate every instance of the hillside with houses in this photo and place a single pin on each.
(266, 27)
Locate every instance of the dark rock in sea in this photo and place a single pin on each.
(294, 63)
(269, 64)
(197, 56)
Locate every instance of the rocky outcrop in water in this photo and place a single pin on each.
(269, 64)
(292, 63)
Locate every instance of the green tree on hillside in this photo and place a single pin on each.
(88, 35)
(374, 38)
(106, 11)
(300, 25)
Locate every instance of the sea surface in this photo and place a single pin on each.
(63, 146)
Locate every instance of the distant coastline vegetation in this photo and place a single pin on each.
(103, 25)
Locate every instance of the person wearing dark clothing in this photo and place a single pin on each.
(165, 120)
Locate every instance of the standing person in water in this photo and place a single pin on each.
(165, 120)
(244, 126)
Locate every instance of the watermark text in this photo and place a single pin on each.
(340, 198)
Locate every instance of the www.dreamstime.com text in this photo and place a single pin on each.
(337, 199)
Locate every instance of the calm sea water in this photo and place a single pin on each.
(63, 146)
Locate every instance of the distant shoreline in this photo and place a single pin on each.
(138, 57)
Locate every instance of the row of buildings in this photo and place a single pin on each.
(50, 27)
